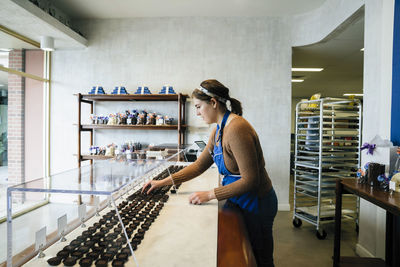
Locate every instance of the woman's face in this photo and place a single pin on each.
(206, 110)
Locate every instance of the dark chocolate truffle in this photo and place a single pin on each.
(122, 256)
(107, 256)
(95, 239)
(109, 238)
(89, 243)
(77, 254)
(75, 243)
(117, 263)
(81, 238)
(63, 254)
(103, 244)
(112, 250)
(126, 250)
(69, 248)
(101, 263)
(70, 261)
(54, 261)
(93, 255)
(83, 249)
(97, 249)
(85, 262)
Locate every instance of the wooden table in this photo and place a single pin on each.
(385, 200)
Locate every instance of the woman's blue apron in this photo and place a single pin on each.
(247, 201)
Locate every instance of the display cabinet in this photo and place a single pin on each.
(90, 99)
(92, 214)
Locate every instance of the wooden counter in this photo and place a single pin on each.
(385, 200)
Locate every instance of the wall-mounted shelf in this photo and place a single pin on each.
(152, 97)
(96, 157)
(132, 127)
(90, 99)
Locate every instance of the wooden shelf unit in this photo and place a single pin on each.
(90, 99)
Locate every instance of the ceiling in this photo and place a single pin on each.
(339, 55)
(106, 9)
(341, 58)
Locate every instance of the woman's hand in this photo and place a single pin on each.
(152, 184)
(201, 197)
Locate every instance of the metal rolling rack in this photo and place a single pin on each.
(327, 147)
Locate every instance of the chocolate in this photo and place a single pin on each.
(69, 248)
(83, 249)
(109, 238)
(93, 255)
(126, 250)
(107, 256)
(86, 234)
(63, 254)
(81, 238)
(101, 263)
(100, 234)
(77, 254)
(139, 236)
(89, 243)
(92, 229)
(136, 240)
(95, 239)
(141, 231)
(117, 263)
(122, 256)
(104, 230)
(112, 250)
(54, 261)
(103, 244)
(85, 262)
(75, 243)
(97, 249)
(102, 221)
(70, 261)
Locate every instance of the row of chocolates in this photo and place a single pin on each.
(105, 242)
(134, 118)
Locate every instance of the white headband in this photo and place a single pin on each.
(204, 90)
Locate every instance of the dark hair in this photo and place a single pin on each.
(217, 88)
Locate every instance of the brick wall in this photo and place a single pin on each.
(16, 121)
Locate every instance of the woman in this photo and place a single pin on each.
(235, 148)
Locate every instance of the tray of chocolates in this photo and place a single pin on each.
(104, 242)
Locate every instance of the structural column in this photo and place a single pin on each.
(16, 118)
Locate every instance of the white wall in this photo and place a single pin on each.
(251, 56)
(316, 25)
(378, 43)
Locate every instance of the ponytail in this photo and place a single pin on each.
(236, 106)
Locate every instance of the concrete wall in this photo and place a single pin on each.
(252, 56)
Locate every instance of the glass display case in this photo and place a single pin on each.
(91, 215)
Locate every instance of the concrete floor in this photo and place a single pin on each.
(300, 246)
